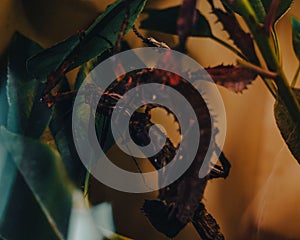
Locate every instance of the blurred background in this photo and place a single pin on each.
(260, 199)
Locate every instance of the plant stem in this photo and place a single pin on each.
(228, 46)
(257, 69)
(86, 186)
(271, 86)
(285, 93)
(295, 77)
(277, 47)
(271, 16)
(266, 75)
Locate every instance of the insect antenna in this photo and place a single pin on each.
(150, 41)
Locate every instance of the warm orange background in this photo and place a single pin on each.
(260, 199)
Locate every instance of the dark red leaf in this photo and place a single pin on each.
(186, 19)
(235, 78)
(239, 37)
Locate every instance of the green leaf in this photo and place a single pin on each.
(87, 67)
(165, 20)
(61, 122)
(232, 5)
(26, 115)
(22, 217)
(3, 97)
(102, 121)
(289, 130)
(296, 36)
(100, 36)
(61, 130)
(259, 9)
(42, 169)
(245, 8)
(241, 7)
(284, 6)
(13, 212)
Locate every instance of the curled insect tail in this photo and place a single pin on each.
(206, 225)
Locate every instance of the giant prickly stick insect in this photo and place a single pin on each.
(180, 202)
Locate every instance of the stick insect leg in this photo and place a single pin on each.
(225, 163)
(221, 171)
(50, 99)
